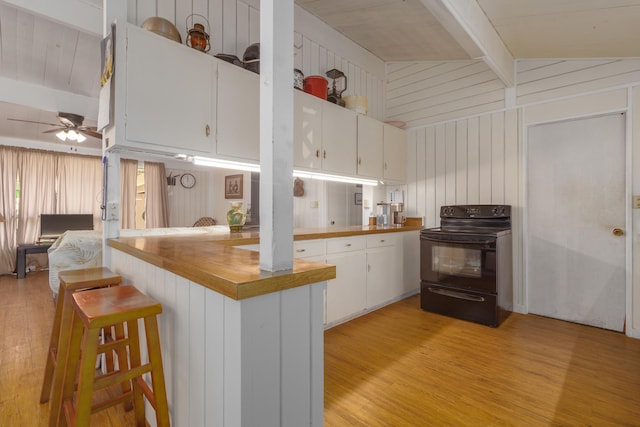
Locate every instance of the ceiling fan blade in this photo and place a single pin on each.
(54, 130)
(92, 133)
(31, 121)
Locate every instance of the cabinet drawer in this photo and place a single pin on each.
(345, 244)
(308, 248)
(383, 239)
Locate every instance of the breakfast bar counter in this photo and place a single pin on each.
(240, 346)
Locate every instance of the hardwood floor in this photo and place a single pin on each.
(398, 366)
(26, 317)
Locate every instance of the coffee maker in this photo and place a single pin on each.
(397, 219)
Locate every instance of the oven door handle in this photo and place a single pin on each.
(461, 241)
(454, 294)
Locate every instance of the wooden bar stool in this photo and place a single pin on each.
(70, 281)
(92, 311)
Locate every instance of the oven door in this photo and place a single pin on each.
(465, 261)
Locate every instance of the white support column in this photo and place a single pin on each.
(113, 10)
(276, 134)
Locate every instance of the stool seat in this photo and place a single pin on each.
(96, 309)
(88, 278)
(115, 305)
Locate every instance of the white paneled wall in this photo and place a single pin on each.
(186, 205)
(235, 24)
(544, 80)
(430, 92)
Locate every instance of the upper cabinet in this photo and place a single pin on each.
(238, 115)
(324, 135)
(169, 95)
(370, 143)
(339, 133)
(307, 130)
(395, 147)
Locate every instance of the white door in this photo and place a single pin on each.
(576, 209)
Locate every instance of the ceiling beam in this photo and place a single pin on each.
(470, 27)
(44, 98)
(81, 15)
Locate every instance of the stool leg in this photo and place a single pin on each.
(123, 364)
(157, 373)
(53, 346)
(87, 375)
(134, 355)
(69, 368)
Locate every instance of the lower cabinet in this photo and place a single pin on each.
(346, 293)
(384, 272)
(371, 271)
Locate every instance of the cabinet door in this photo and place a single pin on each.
(370, 145)
(346, 293)
(411, 261)
(395, 143)
(339, 133)
(307, 130)
(169, 97)
(238, 113)
(384, 277)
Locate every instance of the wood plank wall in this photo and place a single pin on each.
(235, 24)
(186, 205)
(430, 92)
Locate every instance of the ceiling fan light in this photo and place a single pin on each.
(81, 137)
(62, 135)
(72, 135)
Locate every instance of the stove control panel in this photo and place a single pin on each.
(475, 211)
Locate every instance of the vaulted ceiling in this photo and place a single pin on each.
(56, 55)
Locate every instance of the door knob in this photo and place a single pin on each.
(617, 232)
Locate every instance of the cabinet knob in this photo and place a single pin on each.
(324, 154)
(385, 165)
(348, 245)
(207, 130)
(359, 160)
(300, 250)
(317, 154)
(369, 267)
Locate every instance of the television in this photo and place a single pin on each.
(53, 225)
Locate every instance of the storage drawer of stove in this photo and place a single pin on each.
(460, 304)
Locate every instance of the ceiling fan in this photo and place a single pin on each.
(70, 127)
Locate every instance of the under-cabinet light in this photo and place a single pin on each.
(226, 164)
(334, 178)
(229, 164)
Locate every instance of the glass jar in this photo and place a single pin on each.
(236, 217)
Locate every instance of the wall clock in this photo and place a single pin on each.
(187, 180)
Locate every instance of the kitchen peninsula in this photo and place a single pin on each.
(240, 346)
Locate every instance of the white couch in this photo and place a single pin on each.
(74, 250)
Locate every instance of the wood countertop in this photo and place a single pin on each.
(211, 260)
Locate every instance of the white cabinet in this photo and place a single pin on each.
(370, 145)
(324, 136)
(395, 146)
(169, 95)
(346, 293)
(339, 133)
(384, 271)
(238, 115)
(307, 130)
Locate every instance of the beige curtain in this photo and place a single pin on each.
(8, 176)
(156, 206)
(128, 190)
(80, 186)
(37, 192)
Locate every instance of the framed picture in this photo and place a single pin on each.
(358, 198)
(233, 186)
